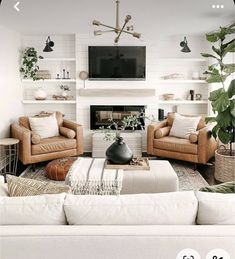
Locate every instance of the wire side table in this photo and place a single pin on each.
(9, 153)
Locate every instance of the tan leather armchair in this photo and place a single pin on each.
(32, 149)
(199, 148)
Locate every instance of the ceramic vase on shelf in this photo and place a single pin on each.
(40, 94)
(119, 152)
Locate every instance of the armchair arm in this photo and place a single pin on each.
(206, 144)
(150, 134)
(79, 134)
(24, 135)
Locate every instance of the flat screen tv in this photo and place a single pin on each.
(117, 62)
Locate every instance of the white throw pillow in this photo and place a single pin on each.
(183, 126)
(45, 127)
(216, 208)
(33, 210)
(175, 208)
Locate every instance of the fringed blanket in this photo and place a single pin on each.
(88, 176)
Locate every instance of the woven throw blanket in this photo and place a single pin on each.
(88, 176)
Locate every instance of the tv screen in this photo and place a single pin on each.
(117, 62)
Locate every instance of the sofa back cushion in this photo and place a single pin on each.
(216, 208)
(171, 116)
(33, 210)
(176, 208)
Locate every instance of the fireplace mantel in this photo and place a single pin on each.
(122, 92)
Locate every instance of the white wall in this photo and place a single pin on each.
(10, 87)
(156, 50)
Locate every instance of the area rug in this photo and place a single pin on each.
(189, 179)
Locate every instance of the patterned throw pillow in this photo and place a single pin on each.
(18, 186)
(228, 187)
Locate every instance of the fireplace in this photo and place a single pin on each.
(102, 115)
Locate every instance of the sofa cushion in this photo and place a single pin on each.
(35, 138)
(54, 144)
(183, 126)
(175, 144)
(193, 137)
(176, 208)
(162, 132)
(45, 127)
(18, 186)
(215, 208)
(68, 133)
(171, 116)
(3, 187)
(33, 210)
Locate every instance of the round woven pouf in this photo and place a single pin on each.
(58, 169)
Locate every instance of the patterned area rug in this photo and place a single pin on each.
(189, 179)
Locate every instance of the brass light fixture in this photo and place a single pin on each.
(117, 29)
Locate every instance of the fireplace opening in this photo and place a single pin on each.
(103, 115)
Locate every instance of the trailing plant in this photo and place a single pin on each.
(222, 99)
(29, 66)
(132, 122)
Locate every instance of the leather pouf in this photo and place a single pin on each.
(58, 169)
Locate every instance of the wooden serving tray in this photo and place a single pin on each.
(141, 163)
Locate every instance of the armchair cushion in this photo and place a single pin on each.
(45, 127)
(193, 137)
(54, 144)
(68, 133)
(35, 138)
(183, 126)
(175, 144)
(162, 132)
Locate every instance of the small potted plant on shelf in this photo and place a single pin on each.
(222, 100)
(119, 152)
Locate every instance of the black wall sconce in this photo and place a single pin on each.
(184, 45)
(49, 45)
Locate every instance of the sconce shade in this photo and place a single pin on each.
(47, 48)
(49, 45)
(184, 45)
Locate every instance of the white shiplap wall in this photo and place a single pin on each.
(157, 50)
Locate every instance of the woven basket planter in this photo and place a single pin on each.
(224, 165)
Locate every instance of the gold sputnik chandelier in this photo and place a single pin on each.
(117, 29)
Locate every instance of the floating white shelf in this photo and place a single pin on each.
(49, 102)
(49, 80)
(184, 59)
(58, 59)
(182, 81)
(182, 102)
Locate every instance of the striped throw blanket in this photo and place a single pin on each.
(88, 176)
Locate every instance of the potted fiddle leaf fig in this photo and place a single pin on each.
(222, 100)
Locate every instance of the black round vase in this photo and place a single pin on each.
(119, 152)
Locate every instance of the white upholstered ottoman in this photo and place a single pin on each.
(160, 178)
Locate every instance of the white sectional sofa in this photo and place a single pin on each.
(141, 226)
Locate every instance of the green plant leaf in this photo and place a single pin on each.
(231, 89)
(232, 107)
(221, 103)
(229, 68)
(224, 119)
(210, 119)
(229, 48)
(214, 95)
(224, 136)
(216, 79)
(217, 51)
(215, 130)
(212, 37)
(206, 55)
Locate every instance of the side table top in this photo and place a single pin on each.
(8, 141)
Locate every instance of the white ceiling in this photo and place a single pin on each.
(150, 17)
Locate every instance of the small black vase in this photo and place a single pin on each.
(119, 152)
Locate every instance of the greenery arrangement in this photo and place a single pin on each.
(29, 66)
(132, 122)
(222, 99)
